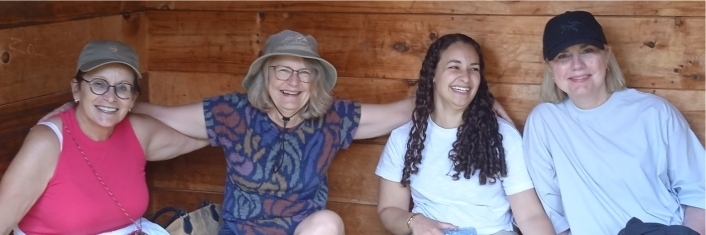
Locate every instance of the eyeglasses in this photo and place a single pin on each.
(100, 86)
(283, 73)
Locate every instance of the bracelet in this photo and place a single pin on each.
(409, 221)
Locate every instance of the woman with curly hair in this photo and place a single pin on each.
(470, 171)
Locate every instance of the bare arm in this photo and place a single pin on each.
(380, 119)
(27, 176)
(694, 218)
(161, 142)
(187, 119)
(529, 214)
(393, 201)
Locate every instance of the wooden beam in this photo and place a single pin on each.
(654, 52)
(23, 14)
(623, 8)
(42, 59)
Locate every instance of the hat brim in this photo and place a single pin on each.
(555, 51)
(330, 74)
(97, 63)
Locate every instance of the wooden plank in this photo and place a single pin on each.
(624, 8)
(352, 176)
(357, 219)
(22, 14)
(655, 52)
(201, 170)
(42, 58)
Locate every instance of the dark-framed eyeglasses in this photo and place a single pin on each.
(283, 73)
(100, 86)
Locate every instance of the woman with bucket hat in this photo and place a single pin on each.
(83, 171)
(600, 154)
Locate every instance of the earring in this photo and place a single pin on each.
(76, 101)
(129, 110)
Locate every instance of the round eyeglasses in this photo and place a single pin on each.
(283, 73)
(100, 86)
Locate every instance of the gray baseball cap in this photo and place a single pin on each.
(101, 52)
(292, 43)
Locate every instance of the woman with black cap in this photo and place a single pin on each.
(600, 154)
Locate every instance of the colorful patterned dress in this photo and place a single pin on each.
(259, 200)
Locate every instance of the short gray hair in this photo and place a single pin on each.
(549, 92)
(319, 100)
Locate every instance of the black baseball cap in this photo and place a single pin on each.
(571, 28)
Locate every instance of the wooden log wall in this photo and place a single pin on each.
(197, 50)
(193, 50)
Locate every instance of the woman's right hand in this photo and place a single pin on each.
(57, 111)
(421, 225)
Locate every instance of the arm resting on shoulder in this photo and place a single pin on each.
(380, 119)
(187, 119)
(161, 142)
(529, 214)
(27, 176)
(694, 218)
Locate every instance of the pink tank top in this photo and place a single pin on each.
(74, 201)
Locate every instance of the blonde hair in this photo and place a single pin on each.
(319, 101)
(615, 81)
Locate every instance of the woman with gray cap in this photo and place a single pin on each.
(83, 171)
(600, 154)
(281, 137)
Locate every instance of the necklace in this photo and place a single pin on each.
(285, 120)
(138, 231)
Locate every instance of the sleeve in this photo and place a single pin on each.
(517, 179)
(685, 159)
(392, 160)
(349, 118)
(222, 113)
(540, 167)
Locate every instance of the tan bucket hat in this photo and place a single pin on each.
(292, 43)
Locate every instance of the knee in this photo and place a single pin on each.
(321, 222)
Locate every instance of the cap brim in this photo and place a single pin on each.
(555, 51)
(97, 63)
(330, 74)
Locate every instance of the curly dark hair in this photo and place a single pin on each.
(478, 145)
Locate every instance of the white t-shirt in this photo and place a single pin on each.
(464, 202)
(633, 156)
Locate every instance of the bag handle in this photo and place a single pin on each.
(212, 207)
(178, 213)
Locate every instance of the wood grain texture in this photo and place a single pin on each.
(624, 8)
(27, 13)
(42, 58)
(654, 52)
